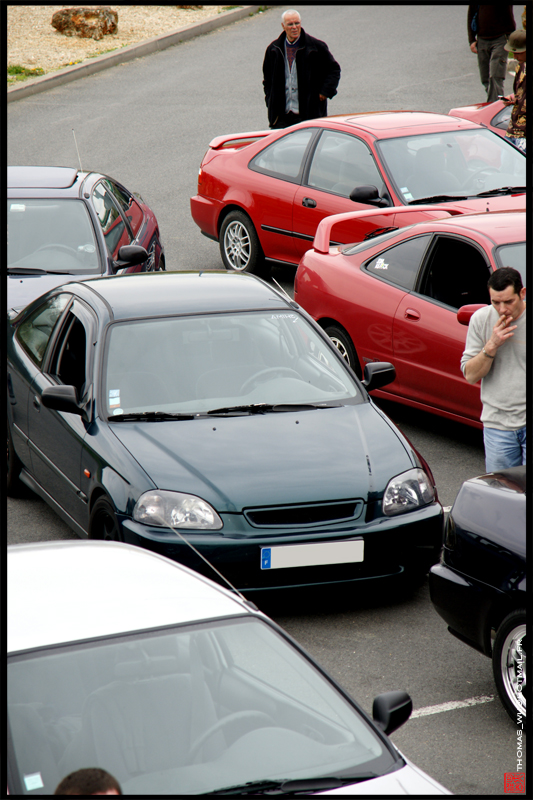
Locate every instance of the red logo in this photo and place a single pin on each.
(514, 783)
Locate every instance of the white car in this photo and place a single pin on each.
(122, 659)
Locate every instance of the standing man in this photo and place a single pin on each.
(516, 131)
(488, 29)
(299, 74)
(495, 354)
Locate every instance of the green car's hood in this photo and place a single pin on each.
(271, 459)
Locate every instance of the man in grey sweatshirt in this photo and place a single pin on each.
(495, 354)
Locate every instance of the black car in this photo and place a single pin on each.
(479, 586)
(206, 408)
(62, 221)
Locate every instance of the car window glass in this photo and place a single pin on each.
(284, 158)
(51, 234)
(69, 359)
(456, 273)
(455, 163)
(206, 362)
(114, 228)
(512, 255)
(34, 333)
(130, 207)
(341, 163)
(501, 120)
(400, 264)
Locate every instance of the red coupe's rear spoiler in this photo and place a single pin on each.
(323, 232)
(237, 139)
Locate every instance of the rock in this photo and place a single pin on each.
(88, 23)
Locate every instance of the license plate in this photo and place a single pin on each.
(312, 555)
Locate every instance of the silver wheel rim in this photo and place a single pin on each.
(341, 348)
(237, 246)
(513, 667)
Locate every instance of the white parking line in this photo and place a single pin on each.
(451, 706)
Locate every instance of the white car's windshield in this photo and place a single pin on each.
(202, 363)
(458, 164)
(188, 710)
(51, 235)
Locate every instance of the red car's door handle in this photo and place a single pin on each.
(308, 202)
(411, 313)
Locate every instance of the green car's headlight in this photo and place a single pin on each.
(405, 492)
(176, 510)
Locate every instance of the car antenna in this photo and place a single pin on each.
(293, 303)
(231, 586)
(78, 152)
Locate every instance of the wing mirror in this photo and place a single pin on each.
(129, 255)
(378, 374)
(465, 312)
(62, 398)
(368, 194)
(391, 709)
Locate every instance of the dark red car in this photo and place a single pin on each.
(261, 195)
(495, 115)
(402, 295)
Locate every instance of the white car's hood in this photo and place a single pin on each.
(408, 780)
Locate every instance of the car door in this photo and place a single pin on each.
(340, 162)
(428, 341)
(56, 437)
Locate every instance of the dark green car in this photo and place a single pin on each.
(206, 409)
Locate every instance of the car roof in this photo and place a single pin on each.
(168, 293)
(502, 227)
(41, 177)
(67, 591)
(384, 124)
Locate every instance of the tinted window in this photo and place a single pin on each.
(400, 264)
(34, 333)
(130, 208)
(513, 255)
(51, 234)
(284, 158)
(341, 162)
(69, 359)
(113, 226)
(456, 274)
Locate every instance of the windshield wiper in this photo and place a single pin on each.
(34, 271)
(267, 408)
(437, 198)
(502, 190)
(149, 416)
(304, 786)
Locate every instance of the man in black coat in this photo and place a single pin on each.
(299, 74)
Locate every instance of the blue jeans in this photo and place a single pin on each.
(504, 449)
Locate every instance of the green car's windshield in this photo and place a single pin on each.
(51, 235)
(197, 364)
(455, 164)
(186, 710)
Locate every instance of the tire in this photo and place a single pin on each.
(14, 466)
(103, 523)
(509, 663)
(344, 345)
(239, 244)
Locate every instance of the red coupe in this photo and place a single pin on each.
(261, 195)
(405, 295)
(495, 115)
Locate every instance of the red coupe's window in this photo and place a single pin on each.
(284, 158)
(401, 263)
(341, 163)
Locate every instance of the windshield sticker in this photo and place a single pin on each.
(114, 398)
(406, 193)
(283, 316)
(17, 207)
(118, 411)
(380, 264)
(33, 781)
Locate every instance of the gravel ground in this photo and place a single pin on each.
(33, 43)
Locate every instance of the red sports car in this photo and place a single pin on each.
(402, 295)
(261, 195)
(495, 115)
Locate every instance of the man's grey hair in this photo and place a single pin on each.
(289, 11)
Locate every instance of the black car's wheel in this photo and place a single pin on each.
(14, 465)
(103, 523)
(509, 663)
(239, 244)
(344, 345)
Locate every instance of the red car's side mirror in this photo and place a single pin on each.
(465, 312)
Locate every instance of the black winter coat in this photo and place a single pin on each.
(318, 73)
